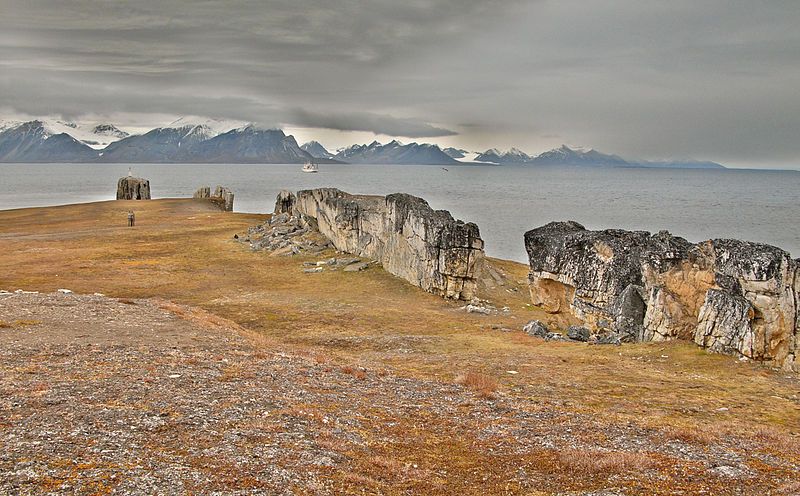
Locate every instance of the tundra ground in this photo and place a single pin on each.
(419, 396)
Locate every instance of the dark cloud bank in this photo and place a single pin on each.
(711, 80)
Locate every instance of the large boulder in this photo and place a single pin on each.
(133, 188)
(426, 247)
(728, 296)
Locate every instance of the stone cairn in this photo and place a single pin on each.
(133, 188)
(726, 295)
(222, 196)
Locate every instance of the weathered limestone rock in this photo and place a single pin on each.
(411, 240)
(133, 188)
(728, 296)
(222, 196)
(284, 204)
(225, 197)
(202, 192)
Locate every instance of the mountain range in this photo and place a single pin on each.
(395, 152)
(567, 156)
(213, 141)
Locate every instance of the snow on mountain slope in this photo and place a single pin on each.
(210, 127)
(97, 135)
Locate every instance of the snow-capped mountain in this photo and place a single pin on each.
(8, 124)
(197, 143)
(495, 156)
(316, 149)
(249, 144)
(36, 141)
(455, 153)
(208, 127)
(395, 152)
(565, 155)
(96, 136)
(163, 144)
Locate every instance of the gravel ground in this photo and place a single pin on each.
(100, 396)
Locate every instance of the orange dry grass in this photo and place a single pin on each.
(591, 462)
(483, 384)
(690, 435)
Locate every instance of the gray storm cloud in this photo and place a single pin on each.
(711, 80)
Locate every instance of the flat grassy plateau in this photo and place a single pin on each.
(656, 418)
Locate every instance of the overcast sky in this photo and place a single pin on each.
(706, 79)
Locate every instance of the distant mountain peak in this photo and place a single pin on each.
(109, 130)
(316, 150)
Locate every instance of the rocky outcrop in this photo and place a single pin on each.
(727, 296)
(411, 240)
(225, 197)
(222, 196)
(133, 188)
(202, 192)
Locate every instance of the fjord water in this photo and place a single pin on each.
(505, 201)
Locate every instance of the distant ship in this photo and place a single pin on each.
(310, 166)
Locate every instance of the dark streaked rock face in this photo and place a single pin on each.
(411, 240)
(726, 295)
(133, 188)
(284, 203)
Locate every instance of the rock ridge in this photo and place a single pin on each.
(426, 247)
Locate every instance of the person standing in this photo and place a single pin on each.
(131, 218)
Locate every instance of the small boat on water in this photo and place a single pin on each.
(310, 166)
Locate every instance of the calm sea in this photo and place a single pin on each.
(504, 201)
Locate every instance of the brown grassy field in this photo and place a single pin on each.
(371, 322)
